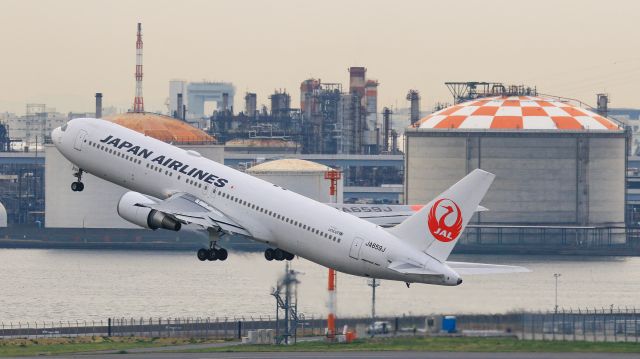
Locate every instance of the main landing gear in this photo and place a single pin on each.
(277, 254)
(214, 252)
(78, 186)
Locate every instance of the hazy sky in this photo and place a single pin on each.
(62, 52)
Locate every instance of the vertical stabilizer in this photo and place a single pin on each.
(436, 228)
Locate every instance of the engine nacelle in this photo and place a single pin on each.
(143, 216)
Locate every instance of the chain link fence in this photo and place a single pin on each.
(611, 325)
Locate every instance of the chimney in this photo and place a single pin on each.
(180, 113)
(225, 101)
(98, 104)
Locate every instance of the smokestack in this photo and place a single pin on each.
(179, 107)
(250, 104)
(414, 97)
(225, 101)
(98, 104)
(357, 80)
(386, 124)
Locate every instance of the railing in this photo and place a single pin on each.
(576, 237)
(611, 325)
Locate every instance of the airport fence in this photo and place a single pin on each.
(582, 325)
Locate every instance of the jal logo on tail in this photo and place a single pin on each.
(445, 220)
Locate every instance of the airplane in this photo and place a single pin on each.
(171, 187)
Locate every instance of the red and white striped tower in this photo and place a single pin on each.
(333, 176)
(138, 102)
(331, 318)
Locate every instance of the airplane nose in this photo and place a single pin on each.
(56, 136)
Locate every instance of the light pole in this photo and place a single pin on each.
(556, 275)
(373, 283)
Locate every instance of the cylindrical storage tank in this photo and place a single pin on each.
(300, 176)
(3, 216)
(560, 169)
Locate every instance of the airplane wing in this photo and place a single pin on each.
(385, 215)
(187, 208)
(465, 268)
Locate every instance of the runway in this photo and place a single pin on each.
(363, 354)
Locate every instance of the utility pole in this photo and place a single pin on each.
(556, 275)
(373, 283)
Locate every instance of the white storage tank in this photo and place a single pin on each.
(304, 177)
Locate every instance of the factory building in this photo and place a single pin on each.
(196, 94)
(560, 168)
(95, 206)
(340, 122)
(304, 177)
(34, 127)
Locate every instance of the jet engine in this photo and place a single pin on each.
(144, 216)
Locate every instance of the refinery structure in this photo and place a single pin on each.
(567, 173)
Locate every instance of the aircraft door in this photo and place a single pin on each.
(82, 135)
(354, 252)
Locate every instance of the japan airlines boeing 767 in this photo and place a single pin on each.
(171, 187)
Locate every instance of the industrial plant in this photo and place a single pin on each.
(567, 174)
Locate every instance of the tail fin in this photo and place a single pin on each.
(436, 228)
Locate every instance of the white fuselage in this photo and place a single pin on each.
(273, 215)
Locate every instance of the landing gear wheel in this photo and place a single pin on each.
(288, 256)
(203, 254)
(222, 254)
(77, 186)
(212, 255)
(278, 254)
(268, 254)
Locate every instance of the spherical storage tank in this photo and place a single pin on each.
(556, 165)
(300, 176)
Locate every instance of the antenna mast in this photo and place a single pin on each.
(138, 102)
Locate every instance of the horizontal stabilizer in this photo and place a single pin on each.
(384, 215)
(464, 268)
(408, 268)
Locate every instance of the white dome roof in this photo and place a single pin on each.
(289, 165)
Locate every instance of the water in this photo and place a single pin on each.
(93, 285)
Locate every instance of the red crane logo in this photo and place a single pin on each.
(445, 224)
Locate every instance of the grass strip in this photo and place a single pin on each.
(55, 346)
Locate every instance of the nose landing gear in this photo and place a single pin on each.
(78, 186)
(277, 254)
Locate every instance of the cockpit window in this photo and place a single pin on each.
(64, 127)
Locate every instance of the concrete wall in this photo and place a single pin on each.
(549, 179)
(95, 207)
(606, 181)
